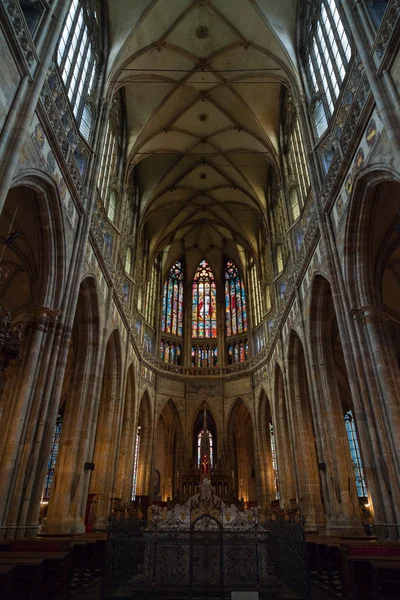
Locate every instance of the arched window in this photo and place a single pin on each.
(256, 295)
(329, 54)
(274, 462)
(128, 261)
(268, 303)
(204, 303)
(279, 260)
(355, 454)
(235, 301)
(135, 464)
(151, 296)
(199, 439)
(109, 160)
(319, 118)
(76, 55)
(294, 204)
(172, 317)
(298, 170)
(51, 465)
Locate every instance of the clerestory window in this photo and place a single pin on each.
(328, 56)
(77, 54)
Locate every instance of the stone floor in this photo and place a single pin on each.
(92, 592)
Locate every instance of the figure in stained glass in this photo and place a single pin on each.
(172, 317)
(235, 301)
(204, 303)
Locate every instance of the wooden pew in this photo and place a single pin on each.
(6, 581)
(56, 570)
(28, 577)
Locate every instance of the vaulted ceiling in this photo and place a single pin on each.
(203, 82)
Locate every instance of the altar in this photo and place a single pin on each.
(204, 549)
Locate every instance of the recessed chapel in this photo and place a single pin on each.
(200, 283)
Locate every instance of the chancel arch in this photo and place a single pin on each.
(110, 411)
(32, 284)
(372, 258)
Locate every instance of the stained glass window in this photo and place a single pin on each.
(204, 356)
(171, 352)
(172, 315)
(199, 437)
(235, 301)
(109, 160)
(355, 455)
(238, 352)
(274, 463)
(135, 464)
(55, 446)
(204, 303)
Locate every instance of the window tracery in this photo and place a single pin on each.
(204, 355)
(172, 316)
(355, 454)
(77, 58)
(199, 444)
(151, 296)
(109, 161)
(238, 352)
(136, 464)
(204, 303)
(256, 295)
(274, 461)
(171, 352)
(235, 301)
(329, 53)
(51, 465)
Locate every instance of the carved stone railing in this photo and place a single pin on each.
(386, 29)
(18, 25)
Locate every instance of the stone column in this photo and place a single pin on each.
(381, 423)
(28, 426)
(355, 13)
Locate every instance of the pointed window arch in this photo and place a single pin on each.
(235, 301)
(355, 454)
(256, 295)
(204, 303)
(172, 315)
(274, 461)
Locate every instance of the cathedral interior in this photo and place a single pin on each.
(199, 288)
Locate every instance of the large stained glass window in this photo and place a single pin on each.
(235, 301)
(355, 455)
(52, 459)
(172, 316)
(204, 355)
(204, 303)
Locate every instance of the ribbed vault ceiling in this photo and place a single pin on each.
(203, 81)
